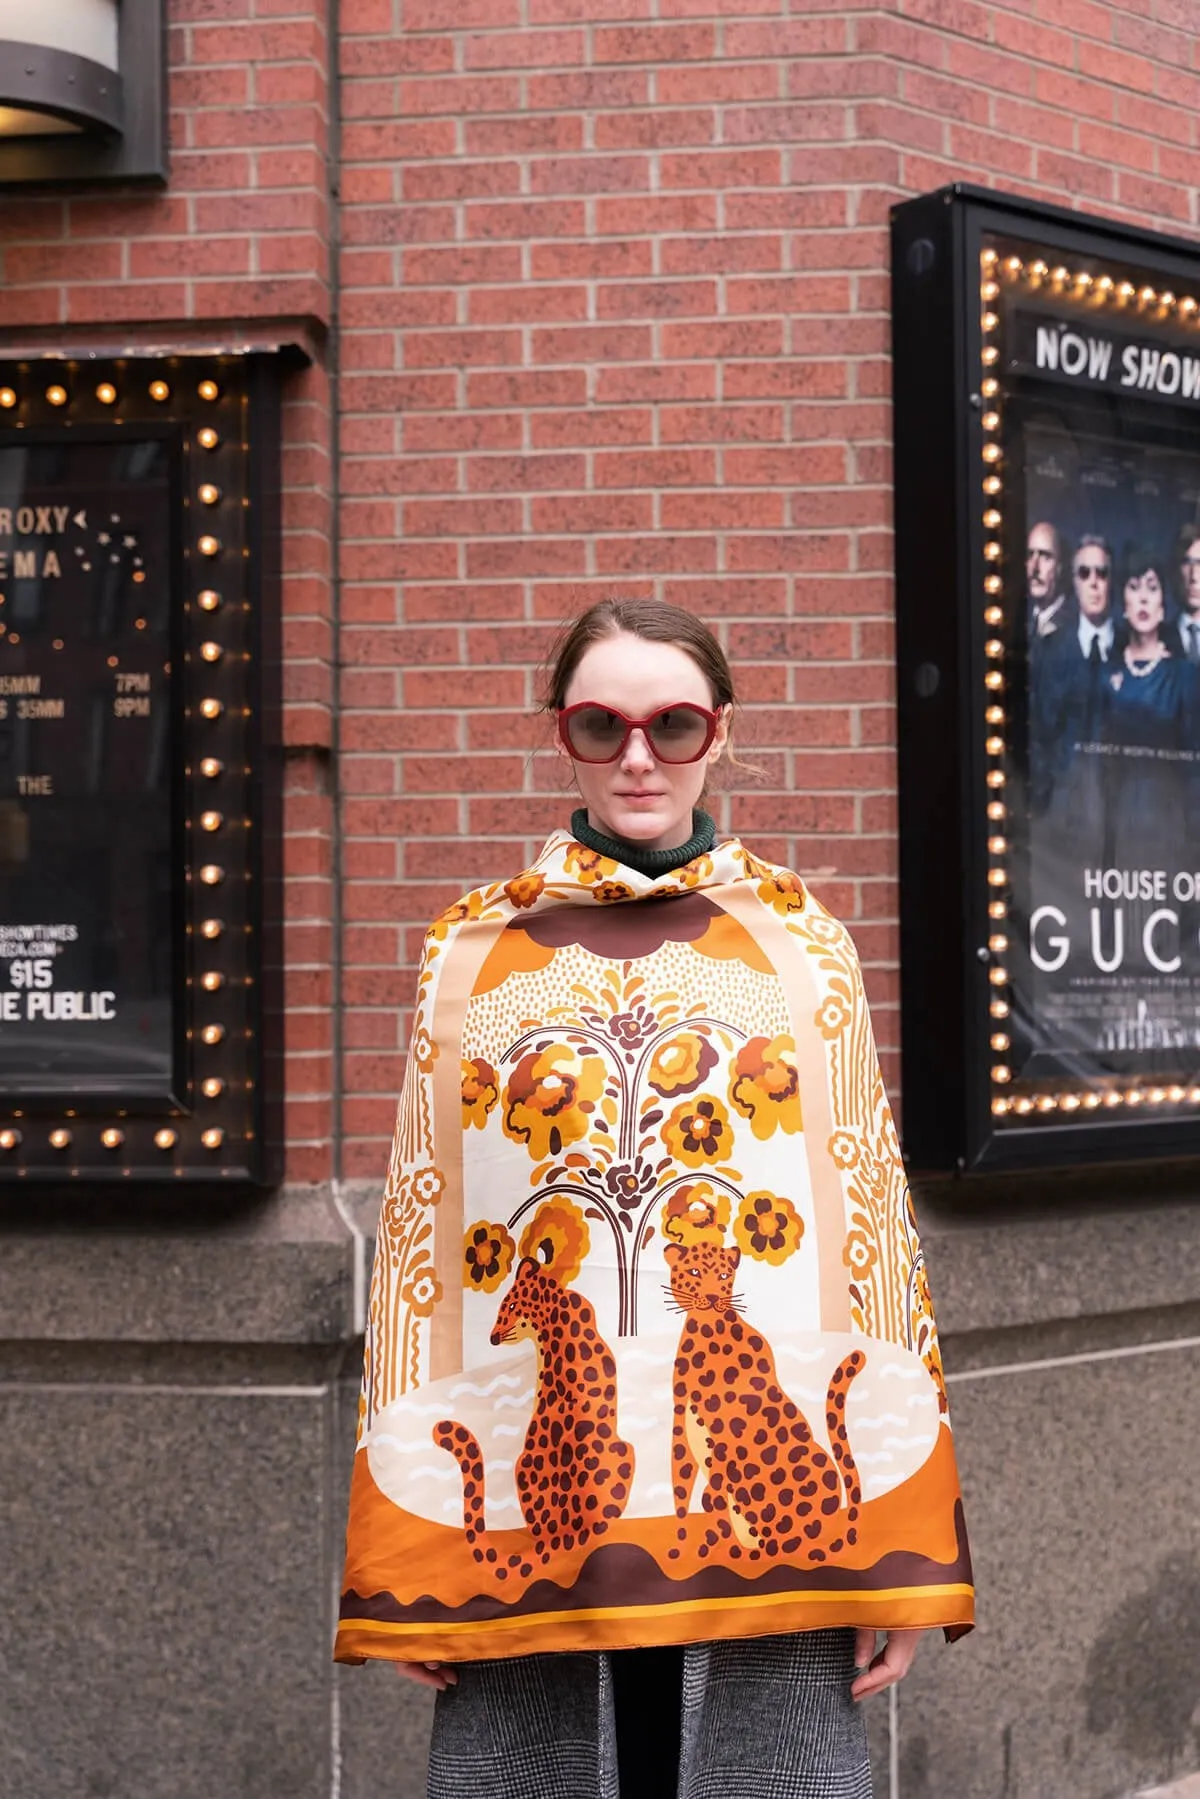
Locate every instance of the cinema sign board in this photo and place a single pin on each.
(1047, 393)
(138, 796)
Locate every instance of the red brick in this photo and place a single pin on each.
(656, 299)
(654, 130)
(667, 44)
(523, 49)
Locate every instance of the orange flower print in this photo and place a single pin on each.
(768, 1227)
(609, 892)
(557, 1236)
(844, 1149)
(422, 1292)
(428, 1185)
(783, 891)
(697, 1133)
(550, 1097)
(423, 1050)
(589, 865)
(681, 1064)
(458, 913)
(765, 1086)
(525, 890)
(479, 1091)
(699, 869)
(833, 1016)
(696, 1213)
(860, 1254)
(488, 1253)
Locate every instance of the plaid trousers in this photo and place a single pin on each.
(762, 1718)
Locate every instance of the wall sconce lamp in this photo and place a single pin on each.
(82, 91)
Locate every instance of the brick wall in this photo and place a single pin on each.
(611, 316)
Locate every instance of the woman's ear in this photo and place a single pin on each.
(721, 737)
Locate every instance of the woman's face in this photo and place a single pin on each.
(637, 797)
(1144, 602)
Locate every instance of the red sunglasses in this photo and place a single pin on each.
(679, 733)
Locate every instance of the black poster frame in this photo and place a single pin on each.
(963, 259)
(218, 1120)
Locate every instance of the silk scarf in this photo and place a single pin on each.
(650, 1355)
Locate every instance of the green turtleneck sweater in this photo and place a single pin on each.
(633, 855)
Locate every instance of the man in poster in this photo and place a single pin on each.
(1189, 581)
(1044, 565)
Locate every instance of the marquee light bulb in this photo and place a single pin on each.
(1038, 270)
(997, 810)
(106, 393)
(1001, 1074)
(1187, 306)
(210, 821)
(989, 321)
(209, 494)
(112, 1138)
(998, 846)
(991, 452)
(997, 911)
(991, 519)
(1060, 276)
(993, 584)
(210, 708)
(1047, 1102)
(213, 1087)
(1024, 1105)
(994, 746)
(60, 1139)
(166, 1138)
(211, 928)
(989, 388)
(999, 1041)
(1166, 301)
(993, 648)
(1013, 266)
(992, 551)
(207, 438)
(56, 395)
(995, 777)
(999, 1008)
(212, 980)
(989, 356)
(1000, 1106)
(994, 715)
(993, 615)
(213, 1139)
(1146, 296)
(211, 652)
(10, 1139)
(997, 877)
(212, 1033)
(208, 390)
(989, 290)
(211, 875)
(991, 484)
(211, 767)
(1092, 1100)
(208, 600)
(998, 977)
(8, 398)
(209, 546)
(989, 258)
(993, 680)
(159, 391)
(1083, 279)
(1175, 1095)
(998, 944)
(990, 421)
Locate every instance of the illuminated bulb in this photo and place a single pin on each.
(9, 1139)
(112, 1138)
(1125, 293)
(993, 680)
(213, 1087)
(998, 977)
(999, 1008)
(208, 390)
(213, 1139)
(211, 652)
(1013, 266)
(998, 945)
(1133, 1097)
(1001, 1074)
(997, 877)
(1038, 270)
(1000, 1041)
(1060, 275)
(991, 519)
(160, 391)
(212, 1033)
(993, 648)
(994, 746)
(990, 387)
(1156, 1096)
(1092, 1100)
(1175, 1095)
(997, 809)
(995, 777)
(1146, 296)
(212, 981)
(209, 495)
(211, 928)
(166, 1138)
(992, 551)
(1114, 1099)
(990, 421)
(989, 291)
(1166, 301)
(1000, 1106)
(1083, 280)
(207, 438)
(1106, 285)
(989, 356)
(208, 600)
(989, 321)
(8, 398)
(210, 768)
(1187, 306)
(60, 1139)
(1024, 1105)
(211, 875)
(57, 396)
(1046, 1102)
(989, 258)
(209, 546)
(992, 584)
(211, 708)
(991, 452)
(993, 615)
(998, 846)
(997, 911)
(210, 821)
(106, 393)
(995, 715)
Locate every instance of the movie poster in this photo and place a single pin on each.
(1105, 909)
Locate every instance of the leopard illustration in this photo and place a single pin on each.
(574, 1472)
(771, 1488)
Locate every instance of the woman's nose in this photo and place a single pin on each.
(637, 751)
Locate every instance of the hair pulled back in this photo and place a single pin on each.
(653, 620)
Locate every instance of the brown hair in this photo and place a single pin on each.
(653, 620)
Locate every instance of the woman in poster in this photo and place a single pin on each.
(653, 1436)
(1152, 727)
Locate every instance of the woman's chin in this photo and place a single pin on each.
(644, 824)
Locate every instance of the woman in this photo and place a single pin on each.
(651, 1360)
(1153, 726)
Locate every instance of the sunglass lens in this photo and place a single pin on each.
(594, 735)
(678, 734)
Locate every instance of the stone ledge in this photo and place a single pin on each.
(1186, 1788)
